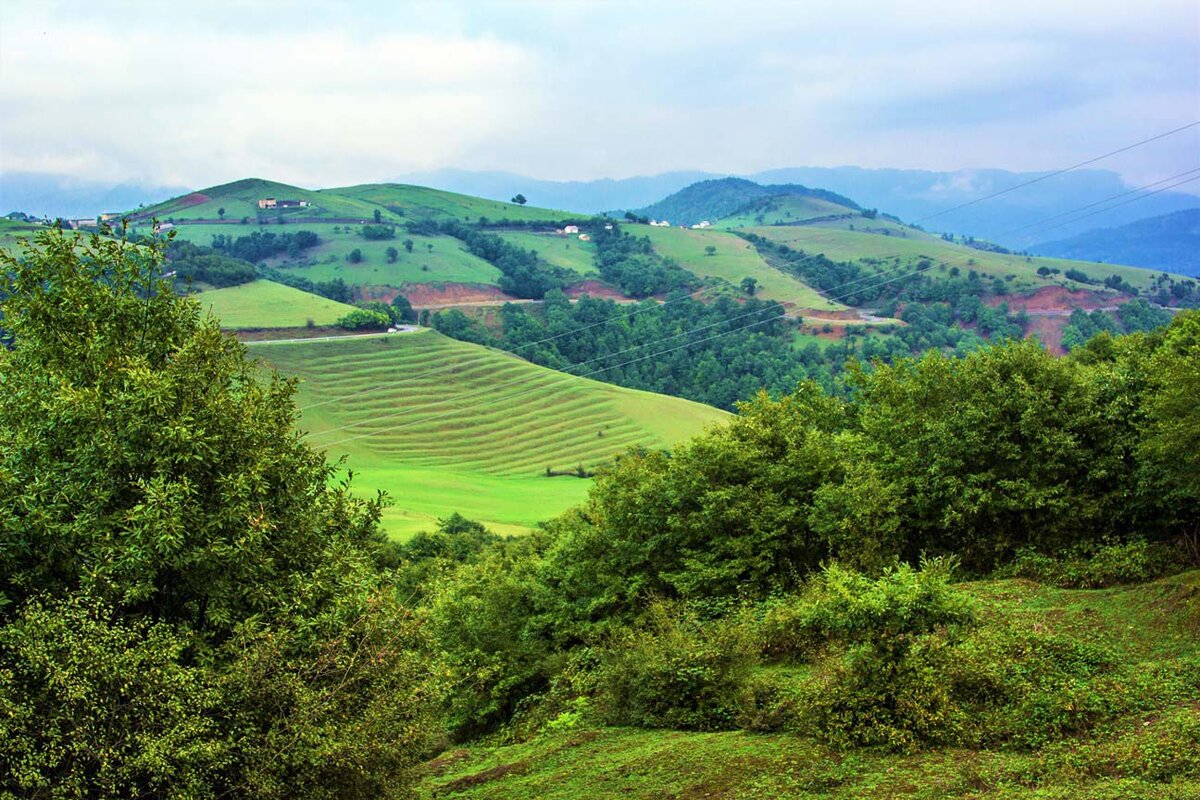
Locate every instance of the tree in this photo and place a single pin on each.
(407, 312)
(378, 216)
(392, 255)
(221, 212)
(710, 250)
(519, 199)
(187, 600)
(749, 285)
(355, 256)
(408, 245)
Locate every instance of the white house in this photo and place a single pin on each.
(571, 229)
(583, 237)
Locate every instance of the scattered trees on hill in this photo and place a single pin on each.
(631, 264)
(355, 256)
(193, 263)
(519, 199)
(523, 273)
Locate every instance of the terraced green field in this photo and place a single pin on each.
(561, 251)
(905, 247)
(734, 260)
(266, 304)
(445, 426)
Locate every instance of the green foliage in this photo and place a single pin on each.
(1093, 565)
(193, 610)
(377, 232)
(674, 671)
(631, 264)
(364, 319)
(404, 309)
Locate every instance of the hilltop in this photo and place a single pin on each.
(1169, 242)
(715, 199)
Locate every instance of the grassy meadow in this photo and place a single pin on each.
(561, 251)
(902, 247)
(783, 210)
(734, 260)
(446, 426)
(266, 304)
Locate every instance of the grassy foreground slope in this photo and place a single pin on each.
(1153, 754)
(266, 304)
(445, 426)
(733, 260)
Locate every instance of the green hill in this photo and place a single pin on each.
(266, 304)
(715, 199)
(240, 200)
(423, 203)
(446, 426)
(887, 246)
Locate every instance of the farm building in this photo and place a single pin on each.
(571, 229)
(271, 202)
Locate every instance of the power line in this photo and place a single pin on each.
(1099, 202)
(1056, 173)
(585, 375)
(1126, 202)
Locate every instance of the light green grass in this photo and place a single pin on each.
(561, 251)
(734, 260)
(419, 202)
(447, 262)
(905, 247)
(445, 426)
(784, 210)
(266, 304)
(12, 234)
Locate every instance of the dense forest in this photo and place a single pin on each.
(191, 606)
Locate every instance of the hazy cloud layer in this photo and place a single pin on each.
(328, 94)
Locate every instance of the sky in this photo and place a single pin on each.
(327, 94)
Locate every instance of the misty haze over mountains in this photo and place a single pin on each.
(912, 195)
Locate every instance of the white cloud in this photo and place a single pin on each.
(333, 93)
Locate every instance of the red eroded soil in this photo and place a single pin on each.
(1058, 299)
(440, 295)
(594, 289)
(1049, 330)
(193, 199)
(847, 314)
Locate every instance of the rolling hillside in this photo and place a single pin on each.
(395, 202)
(266, 304)
(733, 260)
(445, 426)
(895, 248)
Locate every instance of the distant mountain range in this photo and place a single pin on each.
(1169, 242)
(912, 195)
(45, 195)
(916, 196)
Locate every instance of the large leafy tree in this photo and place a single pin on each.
(187, 602)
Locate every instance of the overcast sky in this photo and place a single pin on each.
(324, 94)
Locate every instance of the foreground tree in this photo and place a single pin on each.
(187, 607)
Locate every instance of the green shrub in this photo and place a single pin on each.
(363, 319)
(674, 671)
(1095, 565)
